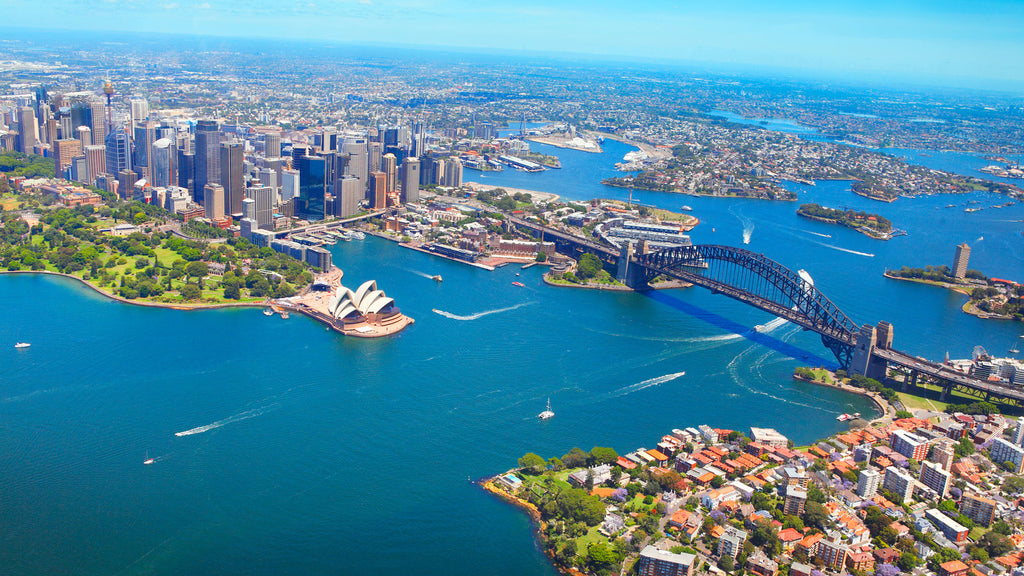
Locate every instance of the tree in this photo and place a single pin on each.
(995, 543)
(727, 563)
(284, 290)
(588, 266)
(964, 448)
(190, 292)
(908, 561)
(575, 458)
(197, 269)
(602, 455)
(532, 461)
(815, 515)
(601, 556)
(232, 292)
(717, 482)
(541, 257)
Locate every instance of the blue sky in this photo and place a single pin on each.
(962, 43)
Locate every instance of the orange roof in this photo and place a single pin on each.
(789, 535)
(627, 464)
(810, 541)
(717, 532)
(716, 451)
(658, 455)
(680, 517)
(954, 566)
(705, 477)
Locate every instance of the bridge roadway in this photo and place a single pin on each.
(333, 224)
(565, 237)
(947, 374)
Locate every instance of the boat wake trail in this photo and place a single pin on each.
(479, 314)
(817, 234)
(773, 324)
(424, 274)
(748, 226)
(847, 250)
(236, 418)
(646, 384)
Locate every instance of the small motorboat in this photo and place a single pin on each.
(546, 414)
(148, 460)
(437, 278)
(687, 209)
(22, 345)
(268, 312)
(520, 284)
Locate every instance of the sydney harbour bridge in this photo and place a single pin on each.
(758, 281)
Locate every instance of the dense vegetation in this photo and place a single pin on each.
(28, 165)
(847, 218)
(145, 264)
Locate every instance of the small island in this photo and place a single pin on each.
(873, 225)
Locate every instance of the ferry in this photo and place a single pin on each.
(22, 345)
(686, 209)
(520, 284)
(546, 414)
(845, 417)
(357, 235)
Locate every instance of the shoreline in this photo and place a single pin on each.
(167, 305)
(884, 236)
(565, 145)
(887, 410)
(967, 308)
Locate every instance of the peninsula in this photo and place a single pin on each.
(718, 500)
(873, 225)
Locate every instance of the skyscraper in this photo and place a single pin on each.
(375, 151)
(389, 166)
(263, 206)
(118, 151)
(63, 152)
(214, 195)
(347, 195)
(187, 171)
(96, 161)
(312, 201)
(378, 192)
(357, 164)
(289, 185)
(960, 258)
(126, 180)
(453, 172)
(410, 180)
(144, 134)
(207, 160)
(139, 109)
(98, 123)
(160, 163)
(27, 130)
(272, 145)
(231, 175)
(84, 134)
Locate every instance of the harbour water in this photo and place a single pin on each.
(284, 448)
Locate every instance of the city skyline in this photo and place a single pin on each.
(941, 43)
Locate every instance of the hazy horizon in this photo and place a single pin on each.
(938, 44)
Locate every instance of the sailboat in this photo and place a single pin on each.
(547, 413)
(1013, 347)
(148, 460)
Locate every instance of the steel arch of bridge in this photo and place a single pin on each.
(759, 281)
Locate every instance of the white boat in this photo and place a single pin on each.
(547, 413)
(357, 235)
(148, 460)
(22, 345)
(687, 209)
(844, 417)
(268, 312)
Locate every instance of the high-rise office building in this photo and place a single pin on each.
(84, 134)
(214, 195)
(263, 206)
(160, 162)
(248, 209)
(347, 195)
(268, 177)
(289, 184)
(79, 169)
(144, 134)
(51, 131)
(118, 151)
(139, 109)
(389, 166)
(453, 172)
(96, 161)
(126, 180)
(960, 258)
(187, 171)
(272, 145)
(312, 201)
(357, 165)
(410, 180)
(375, 151)
(378, 190)
(98, 122)
(63, 152)
(231, 157)
(27, 130)
(207, 160)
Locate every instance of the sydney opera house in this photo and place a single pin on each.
(366, 312)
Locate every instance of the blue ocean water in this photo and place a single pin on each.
(303, 452)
